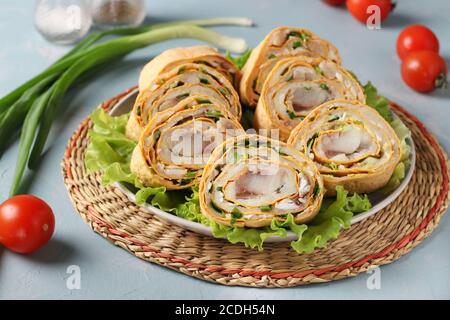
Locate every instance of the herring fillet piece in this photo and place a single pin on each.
(183, 80)
(280, 43)
(176, 144)
(296, 85)
(351, 144)
(250, 180)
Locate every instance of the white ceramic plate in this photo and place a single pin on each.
(378, 199)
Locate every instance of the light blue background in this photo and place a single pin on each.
(110, 272)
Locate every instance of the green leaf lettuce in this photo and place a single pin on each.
(109, 151)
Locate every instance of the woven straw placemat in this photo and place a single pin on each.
(381, 239)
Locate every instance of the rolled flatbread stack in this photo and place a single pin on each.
(175, 85)
(251, 180)
(173, 58)
(351, 144)
(280, 43)
(175, 145)
(297, 85)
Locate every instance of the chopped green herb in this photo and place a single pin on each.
(219, 189)
(311, 140)
(305, 37)
(181, 70)
(290, 78)
(307, 88)
(224, 91)
(214, 114)
(236, 213)
(204, 81)
(291, 114)
(316, 190)
(203, 100)
(271, 56)
(293, 34)
(333, 166)
(324, 86)
(266, 208)
(191, 174)
(318, 70)
(182, 96)
(157, 134)
(296, 44)
(333, 118)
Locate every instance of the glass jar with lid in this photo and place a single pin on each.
(118, 13)
(63, 21)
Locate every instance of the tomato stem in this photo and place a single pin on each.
(393, 5)
(441, 81)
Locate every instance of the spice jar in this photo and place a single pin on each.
(62, 21)
(118, 13)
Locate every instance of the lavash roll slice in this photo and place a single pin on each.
(177, 84)
(278, 44)
(250, 180)
(173, 58)
(351, 144)
(175, 145)
(297, 85)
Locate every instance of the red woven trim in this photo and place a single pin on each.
(283, 275)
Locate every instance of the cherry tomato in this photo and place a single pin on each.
(334, 2)
(358, 8)
(416, 38)
(26, 223)
(424, 71)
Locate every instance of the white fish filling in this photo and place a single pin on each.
(304, 185)
(351, 143)
(172, 171)
(252, 190)
(286, 204)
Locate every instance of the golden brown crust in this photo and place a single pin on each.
(359, 182)
(307, 215)
(141, 161)
(259, 56)
(266, 115)
(176, 56)
(184, 80)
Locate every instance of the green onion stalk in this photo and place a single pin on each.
(38, 99)
(94, 37)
